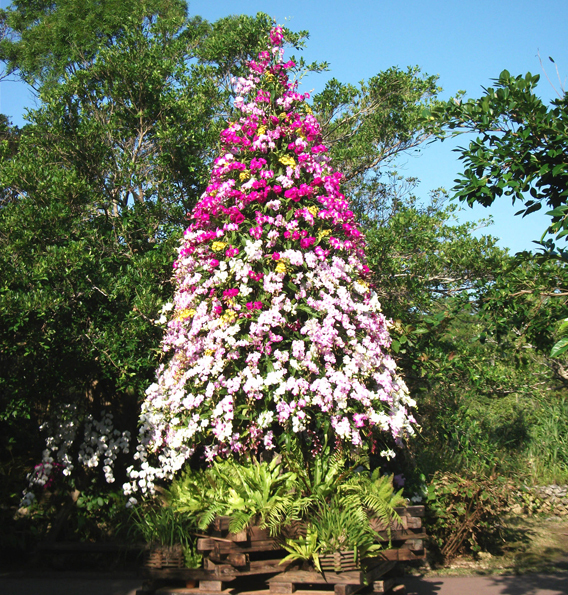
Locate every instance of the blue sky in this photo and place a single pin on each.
(466, 43)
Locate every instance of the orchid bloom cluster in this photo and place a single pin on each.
(274, 327)
(101, 443)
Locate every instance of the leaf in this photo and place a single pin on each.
(563, 328)
(559, 347)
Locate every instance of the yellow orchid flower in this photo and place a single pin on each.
(287, 160)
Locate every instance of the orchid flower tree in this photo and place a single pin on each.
(274, 330)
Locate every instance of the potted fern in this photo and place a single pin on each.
(168, 537)
(339, 532)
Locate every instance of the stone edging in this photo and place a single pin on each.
(551, 499)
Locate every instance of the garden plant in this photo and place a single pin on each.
(275, 344)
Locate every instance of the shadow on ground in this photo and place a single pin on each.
(531, 584)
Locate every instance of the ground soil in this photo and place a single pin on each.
(530, 544)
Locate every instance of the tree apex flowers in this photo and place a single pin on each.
(277, 36)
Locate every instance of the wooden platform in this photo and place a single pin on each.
(227, 557)
(406, 537)
(340, 583)
(240, 563)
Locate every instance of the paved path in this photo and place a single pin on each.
(126, 584)
(57, 583)
(528, 584)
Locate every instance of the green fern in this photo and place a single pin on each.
(304, 548)
(333, 498)
(255, 493)
(377, 495)
(320, 478)
(342, 525)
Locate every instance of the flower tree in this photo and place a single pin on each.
(274, 329)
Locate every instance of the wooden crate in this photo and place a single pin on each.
(164, 557)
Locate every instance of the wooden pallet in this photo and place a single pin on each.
(250, 551)
(227, 558)
(406, 537)
(232, 560)
(340, 583)
(207, 588)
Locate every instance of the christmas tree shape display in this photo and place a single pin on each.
(274, 329)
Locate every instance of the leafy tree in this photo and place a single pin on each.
(372, 124)
(367, 127)
(521, 151)
(420, 255)
(45, 40)
(94, 195)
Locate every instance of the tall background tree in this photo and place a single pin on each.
(95, 189)
(520, 154)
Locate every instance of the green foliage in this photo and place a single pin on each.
(319, 478)
(420, 256)
(521, 151)
(548, 450)
(338, 520)
(527, 298)
(161, 525)
(367, 126)
(465, 512)
(304, 548)
(256, 493)
(342, 525)
(232, 41)
(479, 398)
(50, 39)
(376, 495)
(561, 346)
(472, 330)
(330, 500)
